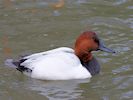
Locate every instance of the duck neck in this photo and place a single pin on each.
(83, 55)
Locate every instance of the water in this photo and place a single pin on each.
(36, 25)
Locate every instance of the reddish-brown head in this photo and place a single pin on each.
(88, 41)
(85, 43)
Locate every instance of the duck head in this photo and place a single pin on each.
(86, 43)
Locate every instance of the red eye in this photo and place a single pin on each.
(96, 39)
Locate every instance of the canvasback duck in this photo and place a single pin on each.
(63, 63)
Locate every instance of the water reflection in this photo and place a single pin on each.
(6, 49)
(60, 90)
(8, 3)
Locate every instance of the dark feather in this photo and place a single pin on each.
(20, 67)
(92, 66)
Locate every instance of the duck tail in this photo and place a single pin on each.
(17, 65)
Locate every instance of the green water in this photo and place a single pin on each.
(29, 26)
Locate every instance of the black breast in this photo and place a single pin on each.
(92, 66)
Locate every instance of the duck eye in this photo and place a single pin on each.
(96, 40)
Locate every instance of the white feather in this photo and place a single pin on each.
(57, 64)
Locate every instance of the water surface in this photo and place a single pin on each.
(29, 26)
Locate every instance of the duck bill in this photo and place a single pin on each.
(102, 47)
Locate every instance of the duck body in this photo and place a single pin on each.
(56, 64)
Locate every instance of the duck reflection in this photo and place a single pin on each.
(69, 89)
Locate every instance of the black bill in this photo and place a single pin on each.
(102, 47)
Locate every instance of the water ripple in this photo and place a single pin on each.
(119, 2)
(127, 95)
(35, 26)
(121, 69)
(109, 22)
(61, 90)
